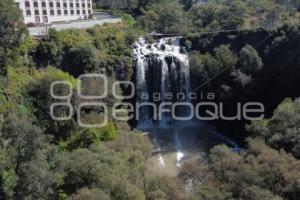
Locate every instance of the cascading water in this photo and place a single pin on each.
(163, 77)
(162, 69)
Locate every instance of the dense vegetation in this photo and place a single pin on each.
(44, 159)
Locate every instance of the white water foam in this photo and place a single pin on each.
(156, 57)
(178, 145)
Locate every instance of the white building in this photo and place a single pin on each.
(49, 11)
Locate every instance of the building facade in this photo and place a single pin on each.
(50, 11)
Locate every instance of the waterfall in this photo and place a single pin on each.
(141, 68)
(162, 69)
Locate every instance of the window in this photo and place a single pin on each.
(90, 12)
(45, 19)
(83, 5)
(44, 4)
(52, 12)
(65, 12)
(27, 4)
(58, 12)
(89, 5)
(71, 5)
(77, 5)
(37, 20)
(78, 12)
(51, 4)
(83, 12)
(36, 12)
(72, 12)
(65, 5)
(44, 12)
(58, 4)
(28, 13)
(35, 4)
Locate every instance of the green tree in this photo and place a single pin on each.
(90, 194)
(207, 66)
(80, 60)
(257, 168)
(11, 32)
(48, 53)
(102, 168)
(281, 131)
(28, 150)
(187, 4)
(165, 17)
(249, 62)
(248, 65)
(211, 193)
(216, 16)
(108, 132)
(232, 16)
(163, 188)
(39, 94)
(86, 137)
(257, 172)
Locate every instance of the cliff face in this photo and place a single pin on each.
(121, 4)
